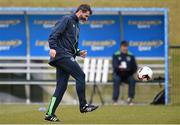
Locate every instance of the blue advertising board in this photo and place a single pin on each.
(145, 34)
(40, 27)
(12, 35)
(100, 36)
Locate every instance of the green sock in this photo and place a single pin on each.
(50, 108)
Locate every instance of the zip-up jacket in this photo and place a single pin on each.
(64, 38)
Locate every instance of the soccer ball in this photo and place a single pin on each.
(144, 73)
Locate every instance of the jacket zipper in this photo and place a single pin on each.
(75, 40)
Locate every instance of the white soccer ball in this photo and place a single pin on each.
(145, 73)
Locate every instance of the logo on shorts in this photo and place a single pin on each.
(73, 25)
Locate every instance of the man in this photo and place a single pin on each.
(63, 43)
(124, 66)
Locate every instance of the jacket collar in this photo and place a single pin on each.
(75, 17)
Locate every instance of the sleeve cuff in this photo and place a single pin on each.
(78, 52)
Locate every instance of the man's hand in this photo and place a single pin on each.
(83, 53)
(52, 53)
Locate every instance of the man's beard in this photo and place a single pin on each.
(82, 19)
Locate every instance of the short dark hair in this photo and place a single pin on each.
(84, 8)
(124, 43)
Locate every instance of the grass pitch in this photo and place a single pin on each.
(25, 114)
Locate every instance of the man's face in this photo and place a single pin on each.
(84, 16)
(124, 49)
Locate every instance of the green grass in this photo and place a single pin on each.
(174, 27)
(26, 114)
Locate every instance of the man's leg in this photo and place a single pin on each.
(61, 85)
(116, 83)
(72, 67)
(131, 87)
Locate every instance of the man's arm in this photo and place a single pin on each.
(82, 53)
(115, 64)
(59, 28)
(56, 31)
(78, 52)
(134, 65)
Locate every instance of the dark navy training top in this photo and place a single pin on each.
(64, 38)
